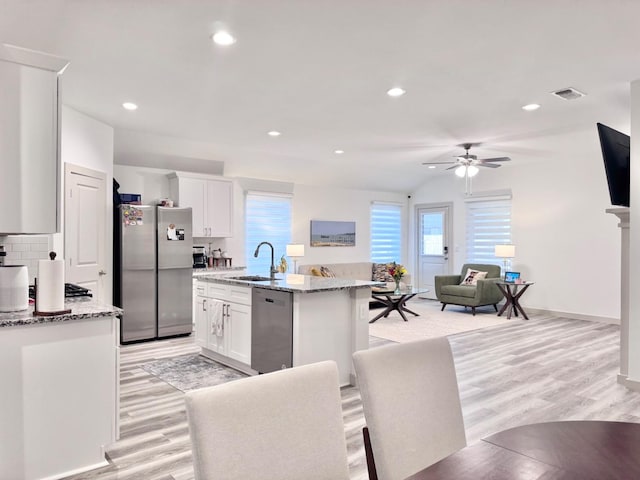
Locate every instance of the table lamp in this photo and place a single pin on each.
(506, 252)
(295, 251)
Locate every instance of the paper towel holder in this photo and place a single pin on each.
(36, 313)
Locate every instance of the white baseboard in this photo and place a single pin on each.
(77, 471)
(575, 316)
(627, 382)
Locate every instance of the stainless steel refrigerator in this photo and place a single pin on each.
(156, 269)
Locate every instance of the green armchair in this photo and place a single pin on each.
(485, 292)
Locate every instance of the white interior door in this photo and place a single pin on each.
(84, 229)
(434, 234)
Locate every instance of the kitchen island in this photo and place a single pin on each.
(60, 380)
(329, 319)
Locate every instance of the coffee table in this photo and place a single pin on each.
(395, 300)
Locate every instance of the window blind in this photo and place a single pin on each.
(267, 219)
(488, 225)
(386, 233)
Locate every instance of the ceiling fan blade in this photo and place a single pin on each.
(437, 163)
(497, 159)
(451, 168)
(490, 165)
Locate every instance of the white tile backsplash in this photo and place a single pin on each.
(27, 250)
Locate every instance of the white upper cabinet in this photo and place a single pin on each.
(29, 141)
(211, 201)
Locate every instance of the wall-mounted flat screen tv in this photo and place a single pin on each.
(616, 151)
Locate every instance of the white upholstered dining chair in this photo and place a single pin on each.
(411, 406)
(285, 425)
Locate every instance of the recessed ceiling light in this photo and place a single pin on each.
(531, 107)
(338, 152)
(223, 38)
(274, 133)
(396, 92)
(129, 106)
(431, 166)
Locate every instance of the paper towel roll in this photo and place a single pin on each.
(14, 288)
(50, 293)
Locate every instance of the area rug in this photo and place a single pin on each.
(431, 322)
(190, 372)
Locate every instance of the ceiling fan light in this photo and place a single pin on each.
(461, 171)
(472, 170)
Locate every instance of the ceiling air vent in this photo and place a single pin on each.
(568, 93)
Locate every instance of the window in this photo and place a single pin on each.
(386, 233)
(488, 225)
(267, 219)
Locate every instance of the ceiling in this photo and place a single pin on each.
(318, 72)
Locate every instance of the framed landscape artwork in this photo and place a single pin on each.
(333, 234)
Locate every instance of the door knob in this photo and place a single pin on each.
(102, 272)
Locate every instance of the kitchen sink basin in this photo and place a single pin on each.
(252, 278)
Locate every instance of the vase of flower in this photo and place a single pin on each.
(396, 271)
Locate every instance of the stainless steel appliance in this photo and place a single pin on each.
(155, 272)
(199, 257)
(271, 330)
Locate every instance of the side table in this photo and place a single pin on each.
(512, 296)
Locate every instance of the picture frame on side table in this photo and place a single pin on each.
(511, 277)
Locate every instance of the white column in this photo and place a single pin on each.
(633, 374)
(623, 214)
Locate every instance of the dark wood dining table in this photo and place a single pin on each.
(572, 450)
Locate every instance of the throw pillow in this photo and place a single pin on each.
(327, 272)
(380, 273)
(472, 277)
(315, 272)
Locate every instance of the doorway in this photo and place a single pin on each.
(433, 244)
(85, 207)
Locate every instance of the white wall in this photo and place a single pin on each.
(151, 183)
(634, 245)
(89, 143)
(565, 242)
(322, 203)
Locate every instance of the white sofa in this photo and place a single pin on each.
(355, 271)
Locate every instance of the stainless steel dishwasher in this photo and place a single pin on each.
(271, 330)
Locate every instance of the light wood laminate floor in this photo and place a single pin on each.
(525, 372)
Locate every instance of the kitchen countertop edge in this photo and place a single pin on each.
(82, 308)
(310, 284)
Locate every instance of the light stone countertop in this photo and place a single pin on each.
(81, 308)
(211, 271)
(296, 283)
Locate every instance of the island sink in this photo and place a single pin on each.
(253, 278)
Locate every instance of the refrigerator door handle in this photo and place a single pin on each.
(204, 305)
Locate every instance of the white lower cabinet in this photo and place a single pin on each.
(231, 343)
(239, 346)
(200, 316)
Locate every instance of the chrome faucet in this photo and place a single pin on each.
(272, 272)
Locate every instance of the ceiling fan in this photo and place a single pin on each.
(468, 160)
(466, 166)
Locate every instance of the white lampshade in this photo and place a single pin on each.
(295, 250)
(505, 251)
(466, 170)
